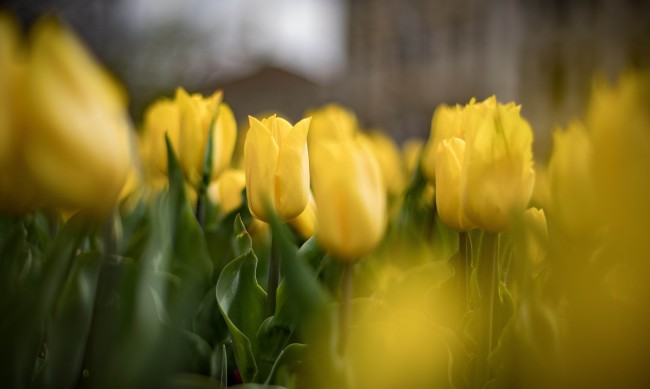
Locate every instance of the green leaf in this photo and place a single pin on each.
(242, 303)
(311, 253)
(193, 381)
(290, 358)
(208, 322)
(69, 327)
(242, 242)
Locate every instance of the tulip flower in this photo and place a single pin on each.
(196, 116)
(331, 122)
(306, 223)
(450, 185)
(619, 118)
(535, 235)
(349, 191)
(161, 118)
(411, 150)
(277, 167)
(447, 122)
(77, 146)
(572, 190)
(17, 194)
(498, 165)
(387, 155)
(226, 190)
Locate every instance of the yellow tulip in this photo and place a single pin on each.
(226, 190)
(17, 194)
(447, 122)
(498, 165)
(277, 167)
(161, 118)
(196, 115)
(331, 122)
(619, 119)
(449, 184)
(78, 144)
(306, 222)
(349, 191)
(387, 155)
(572, 190)
(411, 151)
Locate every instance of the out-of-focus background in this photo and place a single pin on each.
(390, 61)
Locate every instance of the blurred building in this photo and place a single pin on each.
(391, 61)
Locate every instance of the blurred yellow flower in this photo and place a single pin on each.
(447, 122)
(277, 167)
(331, 122)
(77, 146)
(186, 120)
(387, 155)
(619, 119)
(17, 194)
(306, 223)
(450, 185)
(350, 195)
(226, 190)
(498, 164)
(534, 236)
(572, 190)
(411, 151)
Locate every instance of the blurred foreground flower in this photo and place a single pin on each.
(350, 195)
(77, 146)
(498, 165)
(226, 191)
(450, 185)
(276, 161)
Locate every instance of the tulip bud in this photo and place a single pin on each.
(78, 144)
(17, 194)
(390, 164)
(331, 122)
(306, 222)
(226, 190)
(277, 167)
(619, 120)
(535, 236)
(447, 122)
(411, 150)
(498, 165)
(573, 197)
(161, 118)
(449, 184)
(351, 200)
(196, 116)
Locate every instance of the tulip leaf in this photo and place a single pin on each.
(290, 358)
(242, 303)
(208, 322)
(68, 329)
(242, 242)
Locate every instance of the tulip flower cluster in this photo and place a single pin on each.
(312, 253)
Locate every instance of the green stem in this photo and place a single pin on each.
(200, 208)
(345, 311)
(488, 284)
(274, 275)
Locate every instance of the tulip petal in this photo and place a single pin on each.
(260, 156)
(292, 174)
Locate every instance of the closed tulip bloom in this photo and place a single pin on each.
(411, 150)
(331, 122)
(78, 144)
(534, 237)
(160, 119)
(387, 155)
(196, 116)
(226, 190)
(572, 189)
(276, 162)
(16, 192)
(447, 122)
(351, 201)
(449, 184)
(498, 166)
(306, 223)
